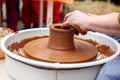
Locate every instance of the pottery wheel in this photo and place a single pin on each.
(39, 50)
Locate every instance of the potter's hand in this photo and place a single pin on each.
(77, 20)
(83, 22)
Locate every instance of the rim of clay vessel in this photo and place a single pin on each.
(61, 39)
(4, 44)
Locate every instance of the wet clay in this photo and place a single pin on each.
(1, 54)
(61, 46)
(3, 32)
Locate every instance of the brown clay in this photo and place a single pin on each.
(60, 46)
(3, 32)
(1, 54)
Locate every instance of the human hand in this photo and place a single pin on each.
(77, 20)
(84, 22)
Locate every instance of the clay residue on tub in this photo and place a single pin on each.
(104, 51)
(102, 48)
(17, 45)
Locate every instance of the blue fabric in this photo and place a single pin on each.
(115, 37)
(110, 70)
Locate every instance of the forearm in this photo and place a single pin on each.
(105, 23)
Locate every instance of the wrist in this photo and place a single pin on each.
(93, 22)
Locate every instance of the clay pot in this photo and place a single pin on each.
(60, 46)
(62, 39)
(21, 68)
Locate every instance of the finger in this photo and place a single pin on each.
(76, 32)
(81, 30)
(65, 24)
(67, 16)
(77, 29)
(70, 25)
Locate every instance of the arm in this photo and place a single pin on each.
(84, 22)
(105, 23)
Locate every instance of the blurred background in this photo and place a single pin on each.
(89, 6)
